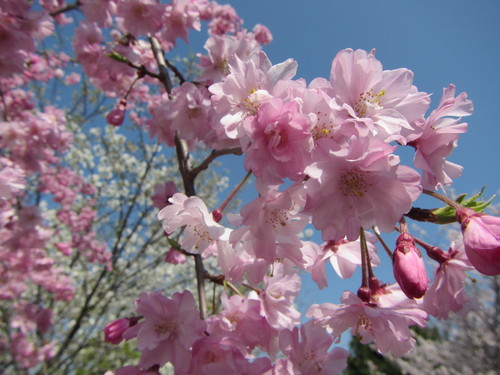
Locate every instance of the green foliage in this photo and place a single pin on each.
(363, 360)
(446, 215)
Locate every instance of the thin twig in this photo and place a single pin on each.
(214, 155)
(67, 8)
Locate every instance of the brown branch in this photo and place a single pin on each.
(67, 8)
(176, 72)
(210, 158)
(163, 76)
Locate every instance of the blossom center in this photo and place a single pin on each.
(163, 328)
(278, 218)
(324, 126)
(251, 102)
(202, 233)
(368, 99)
(363, 322)
(353, 183)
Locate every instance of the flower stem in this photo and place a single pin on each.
(235, 190)
(450, 202)
(381, 240)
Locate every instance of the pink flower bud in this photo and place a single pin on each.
(262, 34)
(116, 116)
(113, 332)
(217, 215)
(409, 267)
(481, 239)
(175, 257)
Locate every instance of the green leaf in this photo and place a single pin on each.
(174, 243)
(116, 56)
(446, 215)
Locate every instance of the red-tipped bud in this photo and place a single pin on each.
(113, 332)
(364, 294)
(409, 267)
(116, 116)
(481, 239)
(217, 215)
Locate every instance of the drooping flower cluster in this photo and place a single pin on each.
(324, 155)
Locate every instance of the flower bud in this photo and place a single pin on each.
(113, 332)
(481, 235)
(217, 215)
(409, 267)
(116, 116)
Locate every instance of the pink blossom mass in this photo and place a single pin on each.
(116, 129)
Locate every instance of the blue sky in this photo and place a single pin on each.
(441, 41)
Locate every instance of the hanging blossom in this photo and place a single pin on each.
(201, 229)
(440, 132)
(446, 292)
(141, 16)
(360, 185)
(384, 320)
(344, 256)
(381, 103)
(239, 96)
(168, 330)
(281, 142)
(307, 350)
(220, 50)
(270, 219)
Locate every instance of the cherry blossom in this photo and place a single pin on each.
(439, 137)
(385, 319)
(446, 293)
(380, 102)
(169, 329)
(201, 229)
(307, 349)
(360, 185)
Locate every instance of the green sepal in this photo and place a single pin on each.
(174, 244)
(116, 56)
(446, 215)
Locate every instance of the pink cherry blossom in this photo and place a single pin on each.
(307, 349)
(221, 49)
(188, 113)
(385, 319)
(262, 34)
(201, 229)
(180, 16)
(11, 179)
(481, 235)
(281, 142)
(162, 193)
(446, 293)
(242, 317)
(277, 298)
(241, 93)
(99, 11)
(380, 102)
(224, 20)
(360, 185)
(273, 218)
(141, 16)
(169, 329)
(439, 138)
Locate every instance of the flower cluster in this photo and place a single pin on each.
(325, 155)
